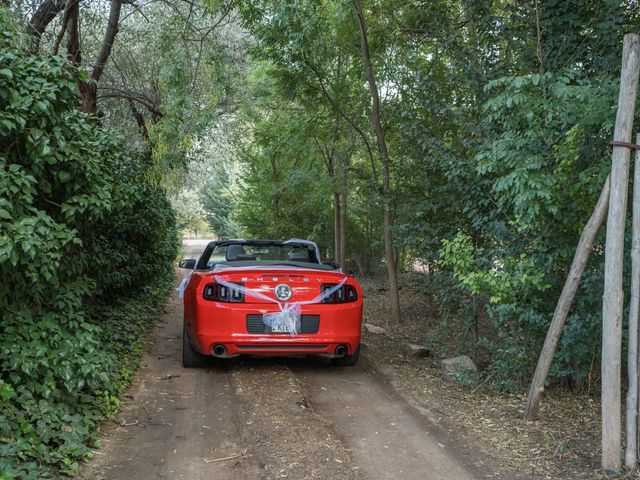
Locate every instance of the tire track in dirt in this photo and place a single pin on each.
(291, 439)
(173, 420)
(389, 439)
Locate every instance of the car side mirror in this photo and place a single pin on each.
(188, 264)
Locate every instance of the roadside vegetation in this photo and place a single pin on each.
(85, 259)
(497, 119)
(100, 107)
(454, 146)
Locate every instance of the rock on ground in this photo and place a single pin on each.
(413, 350)
(459, 369)
(374, 329)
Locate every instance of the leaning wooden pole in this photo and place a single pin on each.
(613, 296)
(564, 302)
(631, 451)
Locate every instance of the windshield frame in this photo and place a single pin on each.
(203, 261)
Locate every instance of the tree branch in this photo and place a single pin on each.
(63, 28)
(112, 92)
(343, 114)
(109, 37)
(44, 15)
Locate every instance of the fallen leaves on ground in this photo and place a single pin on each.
(563, 444)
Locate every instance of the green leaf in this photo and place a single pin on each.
(83, 75)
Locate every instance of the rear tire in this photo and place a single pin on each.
(347, 360)
(191, 358)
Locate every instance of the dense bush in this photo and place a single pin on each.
(86, 243)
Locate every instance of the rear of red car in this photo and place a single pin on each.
(237, 310)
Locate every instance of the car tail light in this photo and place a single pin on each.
(346, 293)
(221, 293)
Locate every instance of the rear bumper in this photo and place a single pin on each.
(226, 324)
(275, 345)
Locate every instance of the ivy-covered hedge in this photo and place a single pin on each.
(86, 246)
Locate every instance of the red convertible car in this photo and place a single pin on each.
(264, 297)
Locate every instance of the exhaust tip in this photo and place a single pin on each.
(341, 351)
(219, 351)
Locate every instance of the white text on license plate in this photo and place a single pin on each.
(280, 329)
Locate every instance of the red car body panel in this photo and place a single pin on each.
(210, 323)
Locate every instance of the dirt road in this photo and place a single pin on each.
(270, 418)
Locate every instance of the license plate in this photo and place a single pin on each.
(280, 329)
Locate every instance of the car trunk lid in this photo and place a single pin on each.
(305, 285)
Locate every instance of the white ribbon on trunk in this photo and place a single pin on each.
(288, 318)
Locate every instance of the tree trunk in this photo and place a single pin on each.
(141, 122)
(89, 90)
(564, 302)
(394, 298)
(275, 175)
(631, 452)
(276, 215)
(343, 218)
(89, 97)
(337, 225)
(613, 297)
(73, 42)
(43, 16)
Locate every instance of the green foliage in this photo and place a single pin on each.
(284, 183)
(502, 282)
(307, 138)
(465, 377)
(545, 153)
(505, 136)
(135, 244)
(459, 317)
(84, 237)
(176, 64)
(497, 118)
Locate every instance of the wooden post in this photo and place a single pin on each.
(631, 451)
(564, 302)
(613, 296)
